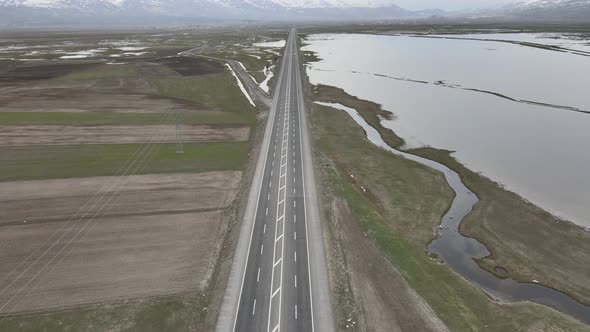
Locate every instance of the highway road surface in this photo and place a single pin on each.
(278, 280)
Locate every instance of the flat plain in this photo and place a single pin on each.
(104, 226)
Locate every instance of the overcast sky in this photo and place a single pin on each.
(449, 4)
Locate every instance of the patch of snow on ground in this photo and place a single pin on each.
(272, 51)
(241, 85)
(131, 48)
(82, 54)
(271, 44)
(134, 53)
(269, 74)
(127, 42)
(75, 56)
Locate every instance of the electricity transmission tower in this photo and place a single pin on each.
(179, 146)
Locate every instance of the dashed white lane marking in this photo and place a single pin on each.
(268, 198)
(294, 204)
(264, 229)
(295, 282)
(294, 235)
(267, 211)
(279, 228)
(258, 276)
(295, 258)
(261, 249)
(254, 308)
(295, 311)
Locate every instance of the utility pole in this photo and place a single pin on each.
(179, 146)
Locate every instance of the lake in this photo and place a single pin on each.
(519, 115)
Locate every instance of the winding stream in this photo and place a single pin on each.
(459, 251)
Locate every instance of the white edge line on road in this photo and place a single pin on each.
(264, 154)
(277, 327)
(301, 123)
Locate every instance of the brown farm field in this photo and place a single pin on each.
(103, 226)
(156, 235)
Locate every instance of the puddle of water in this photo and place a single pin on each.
(536, 151)
(459, 251)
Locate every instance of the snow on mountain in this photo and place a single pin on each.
(22, 12)
(218, 3)
(334, 3)
(578, 10)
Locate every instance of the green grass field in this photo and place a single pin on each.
(216, 91)
(174, 313)
(46, 162)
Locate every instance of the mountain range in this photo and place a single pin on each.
(31, 12)
(552, 10)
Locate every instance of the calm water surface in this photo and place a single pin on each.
(540, 152)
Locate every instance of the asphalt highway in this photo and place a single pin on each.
(280, 277)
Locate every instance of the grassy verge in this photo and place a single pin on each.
(216, 91)
(399, 211)
(174, 313)
(45, 162)
(113, 118)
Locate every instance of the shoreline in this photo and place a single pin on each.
(368, 110)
